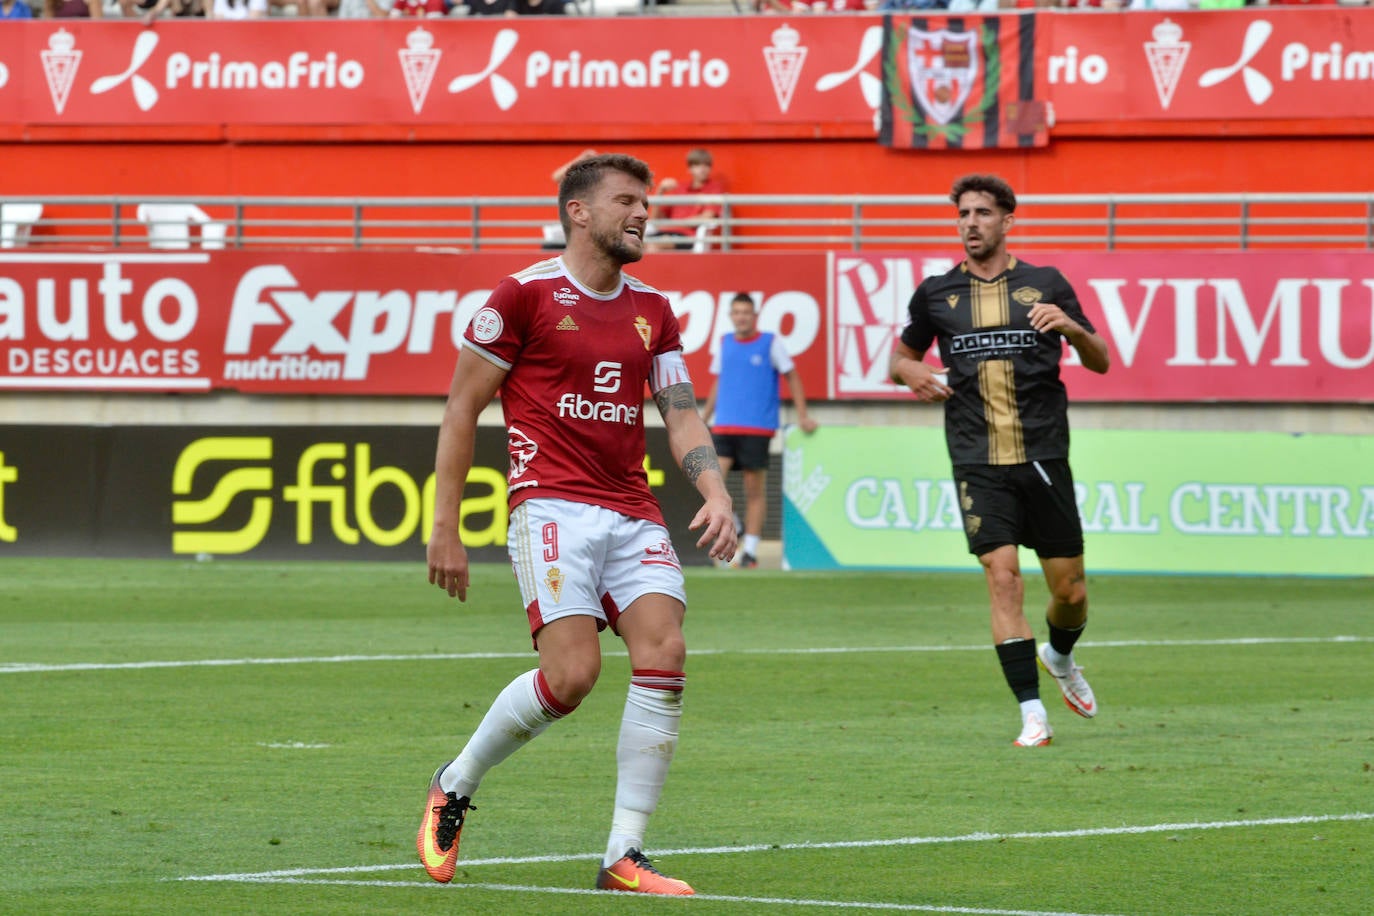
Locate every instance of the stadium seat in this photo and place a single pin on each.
(169, 226)
(16, 222)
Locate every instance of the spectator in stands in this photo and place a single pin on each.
(554, 237)
(236, 9)
(562, 170)
(1170, 5)
(420, 9)
(15, 9)
(73, 9)
(149, 10)
(364, 9)
(515, 8)
(817, 6)
(687, 216)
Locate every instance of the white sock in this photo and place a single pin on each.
(1032, 706)
(519, 714)
(1055, 659)
(751, 544)
(648, 738)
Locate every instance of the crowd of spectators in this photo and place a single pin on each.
(149, 10)
(793, 7)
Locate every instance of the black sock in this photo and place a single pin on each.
(1062, 640)
(1018, 667)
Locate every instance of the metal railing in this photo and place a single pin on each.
(748, 222)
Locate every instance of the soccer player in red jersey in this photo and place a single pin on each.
(570, 344)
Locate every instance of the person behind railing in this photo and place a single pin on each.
(419, 9)
(15, 9)
(683, 220)
(511, 8)
(73, 9)
(364, 9)
(238, 9)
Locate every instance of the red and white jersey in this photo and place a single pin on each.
(573, 396)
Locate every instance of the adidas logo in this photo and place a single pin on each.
(567, 324)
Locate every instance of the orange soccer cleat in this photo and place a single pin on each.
(636, 874)
(437, 841)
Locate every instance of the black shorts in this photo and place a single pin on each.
(1031, 504)
(746, 452)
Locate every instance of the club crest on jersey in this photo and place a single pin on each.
(553, 580)
(566, 296)
(645, 331)
(567, 324)
(1028, 296)
(953, 300)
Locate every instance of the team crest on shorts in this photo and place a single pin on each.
(553, 580)
(646, 332)
(661, 554)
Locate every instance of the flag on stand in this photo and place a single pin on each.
(955, 82)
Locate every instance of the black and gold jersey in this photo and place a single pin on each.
(1009, 406)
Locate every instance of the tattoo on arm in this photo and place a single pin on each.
(676, 397)
(698, 460)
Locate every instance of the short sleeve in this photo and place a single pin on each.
(918, 334)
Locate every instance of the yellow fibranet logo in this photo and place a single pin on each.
(214, 476)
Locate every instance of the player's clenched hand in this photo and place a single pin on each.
(717, 519)
(448, 563)
(1046, 317)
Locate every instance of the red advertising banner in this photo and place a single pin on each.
(483, 74)
(1298, 63)
(358, 323)
(746, 76)
(1220, 326)
(1238, 326)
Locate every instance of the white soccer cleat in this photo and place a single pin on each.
(1035, 731)
(1078, 696)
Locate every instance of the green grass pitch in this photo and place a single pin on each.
(246, 737)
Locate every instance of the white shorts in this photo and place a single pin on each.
(574, 558)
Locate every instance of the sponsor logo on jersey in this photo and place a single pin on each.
(576, 407)
(992, 344)
(606, 377)
(567, 324)
(566, 296)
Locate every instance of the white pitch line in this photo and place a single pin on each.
(980, 837)
(44, 668)
(718, 898)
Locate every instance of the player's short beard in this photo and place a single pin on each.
(614, 244)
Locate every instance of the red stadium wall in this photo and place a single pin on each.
(1254, 100)
(1067, 166)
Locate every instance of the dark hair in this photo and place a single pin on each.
(1001, 192)
(699, 155)
(745, 297)
(585, 174)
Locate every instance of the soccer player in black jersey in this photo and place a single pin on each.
(1001, 325)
